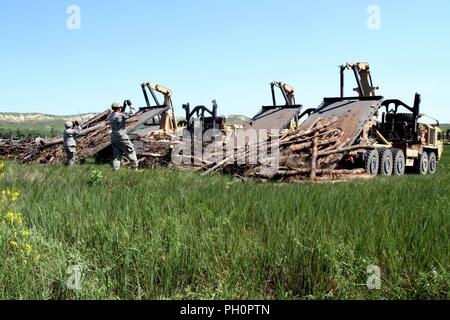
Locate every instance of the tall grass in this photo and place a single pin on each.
(163, 234)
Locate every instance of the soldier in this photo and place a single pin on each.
(70, 144)
(120, 141)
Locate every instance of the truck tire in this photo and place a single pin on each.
(422, 165)
(372, 162)
(399, 162)
(432, 163)
(386, 162)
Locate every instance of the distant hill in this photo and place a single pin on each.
(237, 120)
(45, 125)
(40, 118)
(35, 124)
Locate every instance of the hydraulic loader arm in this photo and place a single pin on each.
(363, 78)
(168, 121)
(287, 91)
(166, 92)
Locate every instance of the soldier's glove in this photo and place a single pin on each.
(129, 104)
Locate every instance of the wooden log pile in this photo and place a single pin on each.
(155, 149)
(95, 132)
(15, 149)
(313, 153)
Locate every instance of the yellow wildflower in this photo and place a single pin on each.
(11, 217)
(14, 244)
(19, 219)
(28, 248)
(15, 196)
(25, 233)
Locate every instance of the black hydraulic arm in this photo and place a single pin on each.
(146, 86)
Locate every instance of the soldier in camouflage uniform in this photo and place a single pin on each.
(120, 141)
(70, 144)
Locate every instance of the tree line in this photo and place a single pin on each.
(25, 133)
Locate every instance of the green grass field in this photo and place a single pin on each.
(163, 234)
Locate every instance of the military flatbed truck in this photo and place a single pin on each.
(391, 137)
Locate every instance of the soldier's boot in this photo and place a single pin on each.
(116, 164)
(134, 160)
(71, 159)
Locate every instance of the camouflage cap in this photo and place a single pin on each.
(116, 105)
(68, 124)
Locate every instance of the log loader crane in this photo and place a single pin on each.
(385, 146)
(167, 120)
(287, 91)
(363, 76)
(208, 118)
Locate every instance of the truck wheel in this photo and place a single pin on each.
(399, 162)
(372, 162)
(432, 163)
(386, 162)
(423, 164)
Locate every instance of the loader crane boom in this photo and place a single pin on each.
(168, 121)
(363, 77)
(287, 91)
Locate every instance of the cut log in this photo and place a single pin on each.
(314, 152)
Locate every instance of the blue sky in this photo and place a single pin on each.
(228, 50)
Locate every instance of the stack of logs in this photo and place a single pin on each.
(157, 149)
(313, 153)
(96, 131)
(15, 149)
(96, 134)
